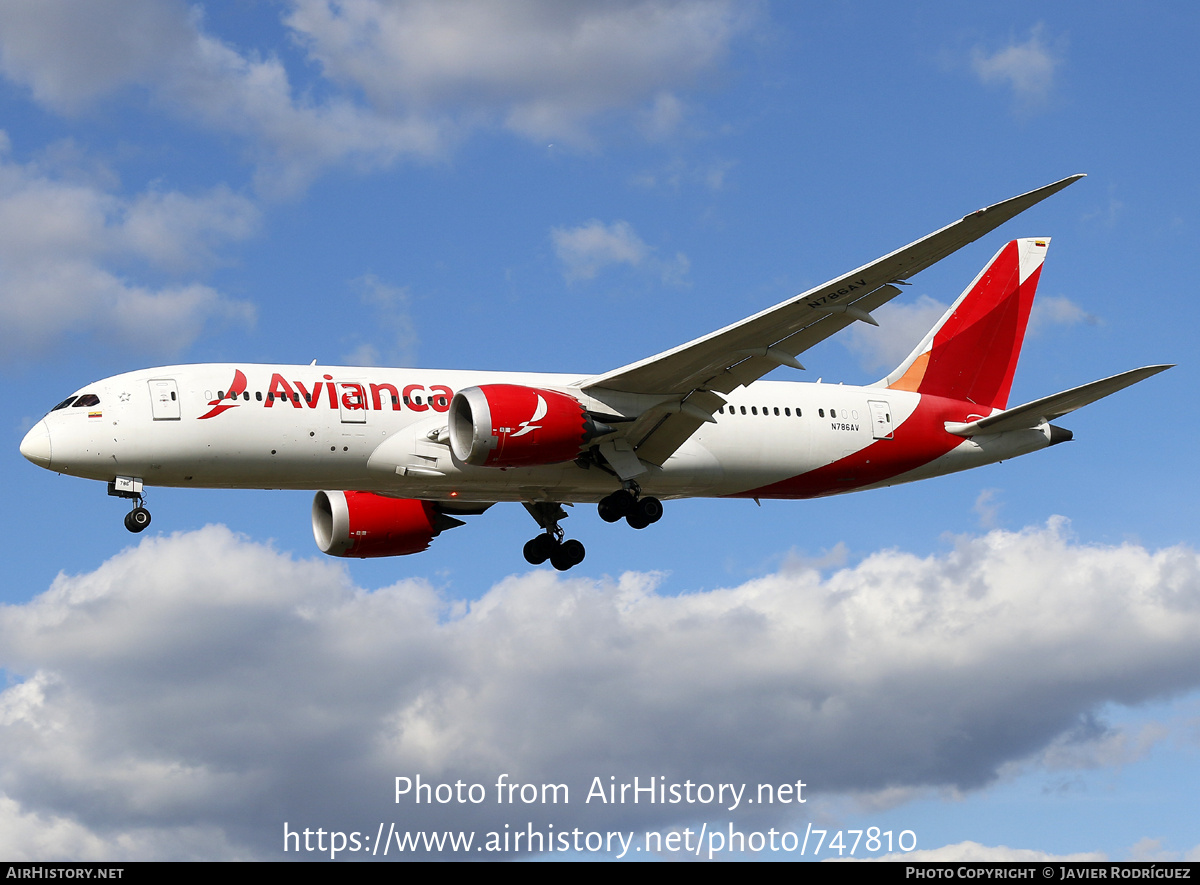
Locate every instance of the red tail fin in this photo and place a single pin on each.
(971, 354)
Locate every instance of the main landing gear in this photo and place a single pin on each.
(137, 519)
(627, 503)
(562, 554)
(551, 545)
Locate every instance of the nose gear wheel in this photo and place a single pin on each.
(137, 519)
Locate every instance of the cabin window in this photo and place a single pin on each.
(777, 410)
(821, 412)
(754, 410)
(743, 410)
(787, 412)
(257, 395)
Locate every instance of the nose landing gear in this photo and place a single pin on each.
(137, 519)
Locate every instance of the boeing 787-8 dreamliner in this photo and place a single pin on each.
(396, 456)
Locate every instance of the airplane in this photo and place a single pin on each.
(397, 455)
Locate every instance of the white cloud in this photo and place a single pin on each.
(973, 852)
(901, 327)
(36, 837)
(1109, 214)
(544, 66)
(987, 508)
(1091, 745)
(63, 242)
(429, 71)
(1027, 68)
(1056, 310)
(1150, 850)
(592, 246)
(202, 684)
(177, 231)
(663, 117)
(677, 173)
(390, 307)
(292, 138)
(72, 53)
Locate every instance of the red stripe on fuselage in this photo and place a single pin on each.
(920, 439)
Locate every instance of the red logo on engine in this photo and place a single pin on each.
(539, 413)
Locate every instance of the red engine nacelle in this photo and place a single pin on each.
(364, 524)
(506, 425)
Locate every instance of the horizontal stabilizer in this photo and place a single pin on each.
(1054, 406)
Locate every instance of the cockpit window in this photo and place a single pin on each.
(88, 399)
(64, 404)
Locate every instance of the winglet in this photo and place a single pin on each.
(1022, 202)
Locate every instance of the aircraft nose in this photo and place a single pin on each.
(36, 444)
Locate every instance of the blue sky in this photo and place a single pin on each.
(1004, 658)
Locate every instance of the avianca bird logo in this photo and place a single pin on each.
(538, 414)
(236, 389)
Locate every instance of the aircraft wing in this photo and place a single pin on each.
(691, 377)
(1054, 406)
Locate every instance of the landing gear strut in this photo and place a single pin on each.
(551, 545)
(137, 519)
(627, 503)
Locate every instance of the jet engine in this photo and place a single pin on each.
(507, 425)
(364, 524)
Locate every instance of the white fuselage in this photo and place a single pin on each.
(370, 429)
